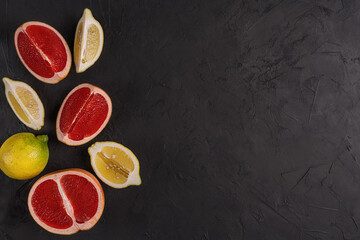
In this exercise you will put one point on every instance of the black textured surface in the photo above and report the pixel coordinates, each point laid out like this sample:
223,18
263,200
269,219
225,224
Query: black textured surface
244,116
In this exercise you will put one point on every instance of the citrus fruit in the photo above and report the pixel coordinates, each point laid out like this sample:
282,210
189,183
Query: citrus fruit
66,201
43,51
24,156
114,164
25,103
83,114
89,40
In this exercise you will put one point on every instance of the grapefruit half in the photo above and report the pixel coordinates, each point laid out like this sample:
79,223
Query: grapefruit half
66,201
83,114
43,51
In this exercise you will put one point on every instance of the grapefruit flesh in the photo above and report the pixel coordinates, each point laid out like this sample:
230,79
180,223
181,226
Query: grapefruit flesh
43,51
67,201
83,114
48,205
82,196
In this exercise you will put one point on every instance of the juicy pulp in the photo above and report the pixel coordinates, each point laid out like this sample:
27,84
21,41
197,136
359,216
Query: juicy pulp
92,43
42,50
114,164
18,109
83,114
29,102
49,207
82,196
48,202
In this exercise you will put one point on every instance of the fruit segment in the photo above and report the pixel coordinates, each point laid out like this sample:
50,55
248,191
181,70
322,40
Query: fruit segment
66,201
90,118
48,205
17,108
82,196
83,114
72,107
49,45
89,40
32,57
27,99
25,103
92,43
114,164
43,51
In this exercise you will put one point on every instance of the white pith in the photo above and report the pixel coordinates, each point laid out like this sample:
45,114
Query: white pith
67,206
57,75
10,86
87,19
134,177
64,138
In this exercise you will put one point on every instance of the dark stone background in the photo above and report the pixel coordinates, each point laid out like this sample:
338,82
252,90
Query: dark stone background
244,116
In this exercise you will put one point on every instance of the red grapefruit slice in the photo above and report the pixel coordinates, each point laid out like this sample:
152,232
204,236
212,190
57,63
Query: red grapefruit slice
83,115
66,201
43,51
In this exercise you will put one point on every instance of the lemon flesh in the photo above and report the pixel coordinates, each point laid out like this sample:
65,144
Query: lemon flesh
25,103
92,43
116,165
28,100
17,108
89,40
24,156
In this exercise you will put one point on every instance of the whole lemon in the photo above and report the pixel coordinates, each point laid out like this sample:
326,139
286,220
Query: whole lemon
24,156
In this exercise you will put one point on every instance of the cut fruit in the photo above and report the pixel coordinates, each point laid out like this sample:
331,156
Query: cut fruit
43,51
66,201
89,41
25,103
114,164
83,115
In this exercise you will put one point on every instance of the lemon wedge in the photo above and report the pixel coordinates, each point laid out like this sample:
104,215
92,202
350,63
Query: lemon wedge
89,40
114,164
25,103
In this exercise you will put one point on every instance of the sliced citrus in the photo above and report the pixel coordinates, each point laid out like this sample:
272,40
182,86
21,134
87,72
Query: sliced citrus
83,115
66,201
43,51
25,103
89,40
114,164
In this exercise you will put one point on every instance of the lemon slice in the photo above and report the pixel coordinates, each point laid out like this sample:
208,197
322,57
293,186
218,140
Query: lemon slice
25,103
114,164
89,40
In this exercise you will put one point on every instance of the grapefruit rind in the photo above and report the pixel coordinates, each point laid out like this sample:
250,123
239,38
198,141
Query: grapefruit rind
134,176
86,20
58,76
10,86
56,176
64,138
